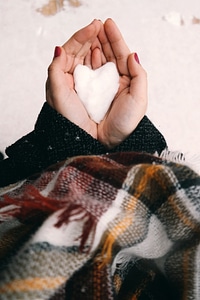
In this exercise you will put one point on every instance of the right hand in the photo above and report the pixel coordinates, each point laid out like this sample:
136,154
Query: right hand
60,93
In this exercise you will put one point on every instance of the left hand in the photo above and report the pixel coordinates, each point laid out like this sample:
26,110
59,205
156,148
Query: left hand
130,103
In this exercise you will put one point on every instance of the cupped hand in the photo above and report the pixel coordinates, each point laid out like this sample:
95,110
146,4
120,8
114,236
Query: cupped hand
94,45
60,93
130,103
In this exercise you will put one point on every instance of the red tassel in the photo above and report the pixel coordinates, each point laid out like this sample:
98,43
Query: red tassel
30,202
89,226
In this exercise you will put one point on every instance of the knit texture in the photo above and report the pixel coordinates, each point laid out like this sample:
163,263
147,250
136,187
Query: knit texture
118,226
55,138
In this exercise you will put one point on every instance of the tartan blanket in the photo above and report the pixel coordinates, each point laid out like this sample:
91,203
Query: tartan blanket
116,226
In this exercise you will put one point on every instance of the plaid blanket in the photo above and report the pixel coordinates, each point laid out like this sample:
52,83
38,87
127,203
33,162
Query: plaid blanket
116,226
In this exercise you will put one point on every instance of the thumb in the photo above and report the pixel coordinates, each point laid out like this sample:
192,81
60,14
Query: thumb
59,59
57,51
55,80
138,86
134,66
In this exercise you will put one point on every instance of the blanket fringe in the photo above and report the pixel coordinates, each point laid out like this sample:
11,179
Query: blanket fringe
32,201
75,212
188,159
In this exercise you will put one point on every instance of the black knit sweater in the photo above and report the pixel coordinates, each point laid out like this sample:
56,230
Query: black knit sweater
55,138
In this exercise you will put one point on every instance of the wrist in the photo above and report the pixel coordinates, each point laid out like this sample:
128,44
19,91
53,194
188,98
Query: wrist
90,127
109,141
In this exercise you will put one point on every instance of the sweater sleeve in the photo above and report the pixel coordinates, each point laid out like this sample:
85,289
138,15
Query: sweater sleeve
55,138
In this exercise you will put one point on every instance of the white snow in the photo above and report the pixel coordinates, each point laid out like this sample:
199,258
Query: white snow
96,88
165,34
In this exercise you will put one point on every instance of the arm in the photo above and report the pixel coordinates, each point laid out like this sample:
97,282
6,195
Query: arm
55,138
64,129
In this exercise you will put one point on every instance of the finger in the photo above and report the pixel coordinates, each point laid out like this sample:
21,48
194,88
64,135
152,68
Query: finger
118,45
59,60
96,58
88,60
56,79
82,36
79,44
96,43
138,85
106,46
100,52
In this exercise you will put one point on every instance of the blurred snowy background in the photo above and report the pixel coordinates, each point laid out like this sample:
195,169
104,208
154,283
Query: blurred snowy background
165,34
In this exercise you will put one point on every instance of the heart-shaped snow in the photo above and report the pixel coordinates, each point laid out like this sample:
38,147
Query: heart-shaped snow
96,88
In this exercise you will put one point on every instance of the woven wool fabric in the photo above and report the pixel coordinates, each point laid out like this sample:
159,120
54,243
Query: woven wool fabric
117,226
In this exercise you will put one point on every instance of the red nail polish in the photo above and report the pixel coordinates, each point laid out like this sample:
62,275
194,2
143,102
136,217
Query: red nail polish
137,58
57,51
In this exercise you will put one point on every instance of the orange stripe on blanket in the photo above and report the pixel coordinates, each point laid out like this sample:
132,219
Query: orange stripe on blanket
149,172
183,217
111,238
25,285
121,227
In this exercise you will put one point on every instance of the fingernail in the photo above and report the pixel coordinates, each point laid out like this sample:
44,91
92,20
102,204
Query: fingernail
136,58
57,51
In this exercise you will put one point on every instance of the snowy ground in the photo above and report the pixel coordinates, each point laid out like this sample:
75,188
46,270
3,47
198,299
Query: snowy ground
165,34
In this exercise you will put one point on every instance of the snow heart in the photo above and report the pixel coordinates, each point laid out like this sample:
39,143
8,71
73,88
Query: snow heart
96,88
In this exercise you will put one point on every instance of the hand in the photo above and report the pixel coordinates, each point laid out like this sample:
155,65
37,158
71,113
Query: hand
130,103
60,93
94,45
